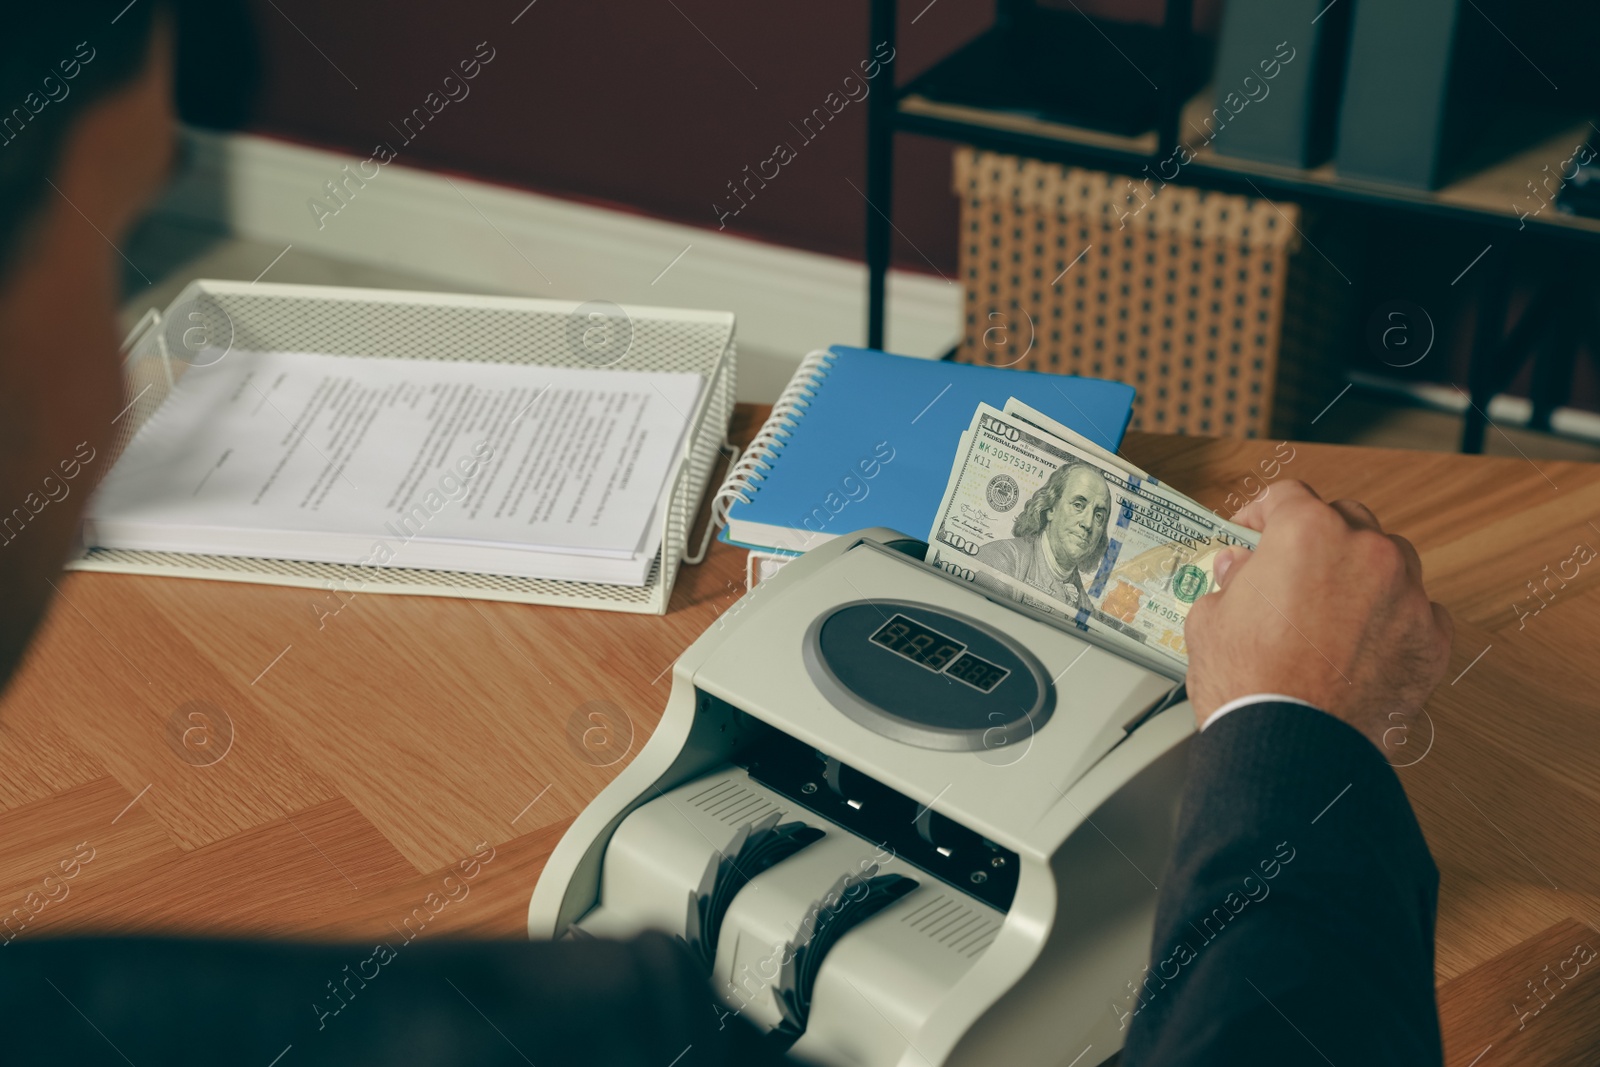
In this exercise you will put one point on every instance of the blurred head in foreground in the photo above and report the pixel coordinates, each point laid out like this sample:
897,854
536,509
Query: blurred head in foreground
86,139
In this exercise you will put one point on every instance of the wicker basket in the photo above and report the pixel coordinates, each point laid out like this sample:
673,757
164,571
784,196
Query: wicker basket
1202,301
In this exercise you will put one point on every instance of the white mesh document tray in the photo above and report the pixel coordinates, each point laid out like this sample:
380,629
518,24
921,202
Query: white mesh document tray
413,325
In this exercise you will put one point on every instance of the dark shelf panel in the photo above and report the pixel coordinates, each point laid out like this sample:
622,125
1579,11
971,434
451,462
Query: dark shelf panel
980,96
1486,197
1044,73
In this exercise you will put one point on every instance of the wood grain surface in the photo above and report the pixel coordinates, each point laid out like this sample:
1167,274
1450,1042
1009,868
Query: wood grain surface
234,760
1535,1005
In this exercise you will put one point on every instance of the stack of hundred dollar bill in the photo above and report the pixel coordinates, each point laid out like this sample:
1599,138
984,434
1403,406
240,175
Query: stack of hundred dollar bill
1039,513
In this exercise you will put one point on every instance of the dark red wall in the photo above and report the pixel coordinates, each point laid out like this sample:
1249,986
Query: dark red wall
653,105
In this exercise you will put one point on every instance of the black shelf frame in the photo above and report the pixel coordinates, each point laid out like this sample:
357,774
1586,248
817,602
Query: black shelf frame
1496,356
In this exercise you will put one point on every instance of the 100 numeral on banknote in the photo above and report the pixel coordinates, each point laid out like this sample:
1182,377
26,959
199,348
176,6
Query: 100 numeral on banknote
1055,526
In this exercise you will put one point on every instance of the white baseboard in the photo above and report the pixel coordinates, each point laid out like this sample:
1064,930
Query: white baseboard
507,241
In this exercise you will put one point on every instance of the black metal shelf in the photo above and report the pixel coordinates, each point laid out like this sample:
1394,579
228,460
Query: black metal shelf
1484,199
1469,200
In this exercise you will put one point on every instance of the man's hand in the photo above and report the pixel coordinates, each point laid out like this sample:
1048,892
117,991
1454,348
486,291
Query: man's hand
1328,609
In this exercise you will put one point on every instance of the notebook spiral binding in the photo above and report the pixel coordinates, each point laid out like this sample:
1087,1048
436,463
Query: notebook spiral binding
745,476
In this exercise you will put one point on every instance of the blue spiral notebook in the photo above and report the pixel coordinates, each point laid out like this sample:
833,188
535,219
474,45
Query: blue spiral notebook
865,438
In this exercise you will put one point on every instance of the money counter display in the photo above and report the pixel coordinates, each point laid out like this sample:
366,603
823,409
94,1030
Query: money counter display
880,808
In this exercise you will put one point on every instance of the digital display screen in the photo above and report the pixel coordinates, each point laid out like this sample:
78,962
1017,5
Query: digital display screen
976,672
917,643
927,647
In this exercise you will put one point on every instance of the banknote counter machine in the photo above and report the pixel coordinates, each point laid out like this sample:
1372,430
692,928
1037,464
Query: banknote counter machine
901,821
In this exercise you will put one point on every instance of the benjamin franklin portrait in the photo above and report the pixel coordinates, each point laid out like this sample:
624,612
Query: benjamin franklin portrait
1061,530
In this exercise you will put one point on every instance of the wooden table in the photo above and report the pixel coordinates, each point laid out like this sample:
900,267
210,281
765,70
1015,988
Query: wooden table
364,752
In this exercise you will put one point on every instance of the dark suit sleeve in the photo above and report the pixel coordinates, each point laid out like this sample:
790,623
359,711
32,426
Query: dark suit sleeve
115,1001
1295,922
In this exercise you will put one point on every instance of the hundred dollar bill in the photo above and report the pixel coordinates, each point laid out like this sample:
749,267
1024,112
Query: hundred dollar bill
1072,437
1073,530
1039,420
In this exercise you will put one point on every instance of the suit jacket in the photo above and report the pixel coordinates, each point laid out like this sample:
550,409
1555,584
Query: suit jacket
1295,922
85,1001
1295,926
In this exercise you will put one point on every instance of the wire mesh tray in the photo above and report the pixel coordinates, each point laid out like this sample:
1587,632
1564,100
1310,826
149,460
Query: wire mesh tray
414,325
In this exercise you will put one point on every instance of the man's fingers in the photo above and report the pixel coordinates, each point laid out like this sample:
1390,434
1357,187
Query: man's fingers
1195,621
1279,495
1442,619
1356,514
1408,552
1227,561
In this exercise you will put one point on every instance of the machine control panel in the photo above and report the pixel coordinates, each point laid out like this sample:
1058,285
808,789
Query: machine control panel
926,676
